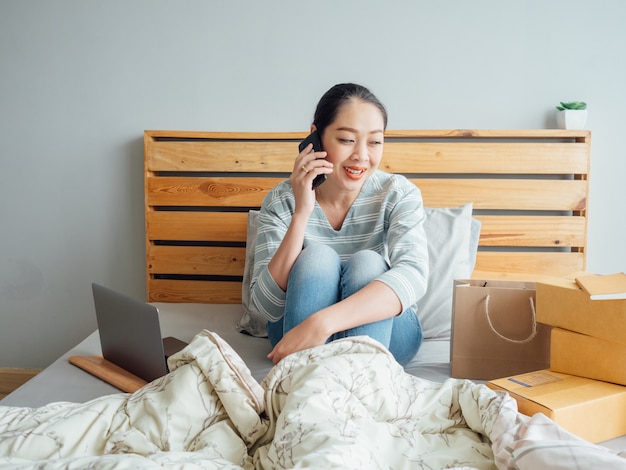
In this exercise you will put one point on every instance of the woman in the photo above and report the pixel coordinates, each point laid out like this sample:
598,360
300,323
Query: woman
349,258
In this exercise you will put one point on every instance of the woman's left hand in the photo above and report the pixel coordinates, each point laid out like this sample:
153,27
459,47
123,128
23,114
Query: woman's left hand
307,334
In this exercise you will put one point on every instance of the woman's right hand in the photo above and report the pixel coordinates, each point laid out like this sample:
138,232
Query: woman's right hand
307,166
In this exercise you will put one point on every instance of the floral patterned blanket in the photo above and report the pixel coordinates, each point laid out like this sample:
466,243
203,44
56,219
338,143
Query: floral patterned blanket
346,405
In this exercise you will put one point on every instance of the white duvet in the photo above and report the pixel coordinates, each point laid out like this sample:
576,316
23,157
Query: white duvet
344,405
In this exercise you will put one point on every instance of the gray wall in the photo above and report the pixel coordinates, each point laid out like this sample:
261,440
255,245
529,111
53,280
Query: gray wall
81,80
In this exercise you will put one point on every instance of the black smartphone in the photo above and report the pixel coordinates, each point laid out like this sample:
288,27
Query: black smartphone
314,138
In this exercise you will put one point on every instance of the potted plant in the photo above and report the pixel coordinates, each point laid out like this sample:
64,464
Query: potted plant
571,115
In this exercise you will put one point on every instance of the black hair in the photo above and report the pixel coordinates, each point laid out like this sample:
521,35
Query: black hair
336,97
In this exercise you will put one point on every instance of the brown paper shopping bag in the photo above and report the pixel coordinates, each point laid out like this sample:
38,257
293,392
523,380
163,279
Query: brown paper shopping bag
494,330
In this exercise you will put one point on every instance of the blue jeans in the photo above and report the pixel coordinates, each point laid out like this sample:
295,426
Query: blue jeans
319,279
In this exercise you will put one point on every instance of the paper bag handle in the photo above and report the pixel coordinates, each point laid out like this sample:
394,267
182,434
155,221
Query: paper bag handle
533,333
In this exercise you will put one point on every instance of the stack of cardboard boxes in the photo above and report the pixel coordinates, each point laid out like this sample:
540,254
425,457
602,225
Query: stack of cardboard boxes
585,388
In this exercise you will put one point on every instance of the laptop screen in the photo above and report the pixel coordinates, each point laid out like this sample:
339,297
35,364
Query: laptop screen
130,333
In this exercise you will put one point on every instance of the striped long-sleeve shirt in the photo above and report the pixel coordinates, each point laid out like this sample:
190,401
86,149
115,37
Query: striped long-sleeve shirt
386,217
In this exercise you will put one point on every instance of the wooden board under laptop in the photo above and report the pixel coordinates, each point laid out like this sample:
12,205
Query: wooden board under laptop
109,372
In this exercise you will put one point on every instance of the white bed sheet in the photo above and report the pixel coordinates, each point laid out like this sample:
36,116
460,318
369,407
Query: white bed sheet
62,381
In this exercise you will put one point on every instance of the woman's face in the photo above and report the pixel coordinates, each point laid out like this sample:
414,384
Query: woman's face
354,144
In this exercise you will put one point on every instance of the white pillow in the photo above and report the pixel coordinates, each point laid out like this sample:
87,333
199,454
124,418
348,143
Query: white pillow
452,236
474,239
450,256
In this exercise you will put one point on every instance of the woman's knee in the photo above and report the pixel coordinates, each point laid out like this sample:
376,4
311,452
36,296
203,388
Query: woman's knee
317,258
317,267
366,260
361,269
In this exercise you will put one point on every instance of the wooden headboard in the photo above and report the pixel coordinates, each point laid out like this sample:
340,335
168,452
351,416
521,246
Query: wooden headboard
529,189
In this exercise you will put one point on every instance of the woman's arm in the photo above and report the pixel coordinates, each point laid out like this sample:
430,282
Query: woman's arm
307,165
280,235
288,251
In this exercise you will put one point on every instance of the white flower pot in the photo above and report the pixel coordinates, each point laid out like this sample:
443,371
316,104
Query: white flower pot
571,118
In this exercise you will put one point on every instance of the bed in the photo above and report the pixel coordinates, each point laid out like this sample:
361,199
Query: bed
508,204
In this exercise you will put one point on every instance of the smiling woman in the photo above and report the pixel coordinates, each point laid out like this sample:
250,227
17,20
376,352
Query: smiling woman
354,145
349,258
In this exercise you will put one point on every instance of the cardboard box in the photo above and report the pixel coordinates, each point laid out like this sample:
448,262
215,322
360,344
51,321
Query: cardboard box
591,409
587,356
603,286
560,302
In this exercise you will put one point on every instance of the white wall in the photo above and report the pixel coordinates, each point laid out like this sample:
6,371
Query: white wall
82,79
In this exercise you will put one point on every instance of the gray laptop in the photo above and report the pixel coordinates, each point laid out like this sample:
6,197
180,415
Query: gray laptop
130,334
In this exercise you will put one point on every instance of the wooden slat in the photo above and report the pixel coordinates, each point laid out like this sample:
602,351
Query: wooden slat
448,134
514,194
196,260
197,226
218,156
554,264
192,260
511,194
153,135
206,191
532,231
510,230
212,292
530,134
399,157
549,264
485,158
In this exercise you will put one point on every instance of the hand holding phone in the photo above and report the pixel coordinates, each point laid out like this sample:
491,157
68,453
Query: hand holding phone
314,138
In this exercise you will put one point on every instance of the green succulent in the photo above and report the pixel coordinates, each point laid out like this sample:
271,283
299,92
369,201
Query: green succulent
572,105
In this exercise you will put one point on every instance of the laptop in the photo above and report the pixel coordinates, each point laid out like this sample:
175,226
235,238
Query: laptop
130,334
